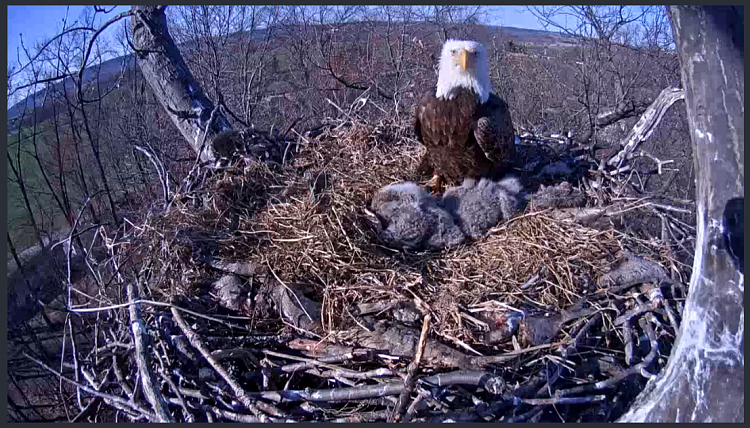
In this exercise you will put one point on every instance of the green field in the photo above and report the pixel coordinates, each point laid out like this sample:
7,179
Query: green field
19,225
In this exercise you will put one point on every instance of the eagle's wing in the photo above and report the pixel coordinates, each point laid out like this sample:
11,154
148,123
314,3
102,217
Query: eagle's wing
494,131
417,123
425,166
418,118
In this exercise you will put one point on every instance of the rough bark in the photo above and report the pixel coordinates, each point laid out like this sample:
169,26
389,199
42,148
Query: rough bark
172,82
704,380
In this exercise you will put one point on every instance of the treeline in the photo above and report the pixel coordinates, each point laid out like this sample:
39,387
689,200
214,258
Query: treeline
285,68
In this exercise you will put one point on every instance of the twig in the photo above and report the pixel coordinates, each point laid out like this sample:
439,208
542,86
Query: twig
491,383
309,363
509,356
237,417
623,287
363,417
672,319
87,411
115,399
142,359
121,378
562,400
413,407
189,417
69,283
74,354
301,306
638,310
581,334
411,372
239,392
160,171
627,332
525,416
636,369
62,366
659,163
91,407
333,395
169,305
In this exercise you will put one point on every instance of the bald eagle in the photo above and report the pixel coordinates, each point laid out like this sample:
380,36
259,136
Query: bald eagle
467,130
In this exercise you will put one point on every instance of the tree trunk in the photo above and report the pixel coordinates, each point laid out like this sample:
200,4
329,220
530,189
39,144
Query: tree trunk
172,82
704,380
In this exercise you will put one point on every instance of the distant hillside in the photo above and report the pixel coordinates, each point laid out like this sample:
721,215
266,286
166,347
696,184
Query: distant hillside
107,73
110,70
534,37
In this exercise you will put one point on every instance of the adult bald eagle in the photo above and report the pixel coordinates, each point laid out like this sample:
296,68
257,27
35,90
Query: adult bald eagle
466,129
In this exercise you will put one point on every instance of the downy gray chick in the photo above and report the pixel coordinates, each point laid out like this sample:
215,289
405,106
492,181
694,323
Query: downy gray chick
411,218
561,195
479,205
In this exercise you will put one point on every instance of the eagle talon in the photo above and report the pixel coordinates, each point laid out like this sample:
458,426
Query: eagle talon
435,184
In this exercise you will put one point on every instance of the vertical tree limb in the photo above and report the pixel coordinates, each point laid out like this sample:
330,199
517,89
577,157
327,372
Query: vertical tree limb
704,380
173,84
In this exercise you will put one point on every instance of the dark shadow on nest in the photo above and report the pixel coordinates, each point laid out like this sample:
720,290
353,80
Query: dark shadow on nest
248,173
546,164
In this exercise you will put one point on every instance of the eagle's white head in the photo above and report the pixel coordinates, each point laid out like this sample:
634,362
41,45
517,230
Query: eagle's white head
463,63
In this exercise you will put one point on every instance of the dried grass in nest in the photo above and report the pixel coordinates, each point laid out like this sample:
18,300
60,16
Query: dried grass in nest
322,237
495,267
305,221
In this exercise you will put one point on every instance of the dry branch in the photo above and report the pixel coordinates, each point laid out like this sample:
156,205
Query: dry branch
113,398
239,392
411,372
646,124
142,357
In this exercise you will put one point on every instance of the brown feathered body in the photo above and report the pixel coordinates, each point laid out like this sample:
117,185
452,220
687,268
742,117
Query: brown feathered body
464,138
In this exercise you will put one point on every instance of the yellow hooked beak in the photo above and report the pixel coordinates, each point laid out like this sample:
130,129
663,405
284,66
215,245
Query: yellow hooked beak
463,59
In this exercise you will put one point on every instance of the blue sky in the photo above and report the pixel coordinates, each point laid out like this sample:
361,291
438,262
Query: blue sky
513,16
40,22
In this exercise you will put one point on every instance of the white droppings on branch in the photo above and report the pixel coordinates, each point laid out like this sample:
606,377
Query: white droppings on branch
136,327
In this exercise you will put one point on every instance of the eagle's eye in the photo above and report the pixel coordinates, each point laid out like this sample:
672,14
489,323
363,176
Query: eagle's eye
453,51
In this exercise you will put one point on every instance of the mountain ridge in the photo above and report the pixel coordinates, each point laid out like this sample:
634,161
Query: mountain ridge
109,69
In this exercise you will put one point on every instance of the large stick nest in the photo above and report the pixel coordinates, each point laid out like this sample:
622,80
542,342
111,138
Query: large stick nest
283,258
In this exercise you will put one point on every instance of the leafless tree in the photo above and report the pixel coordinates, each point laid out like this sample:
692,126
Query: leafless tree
616,49
213,68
